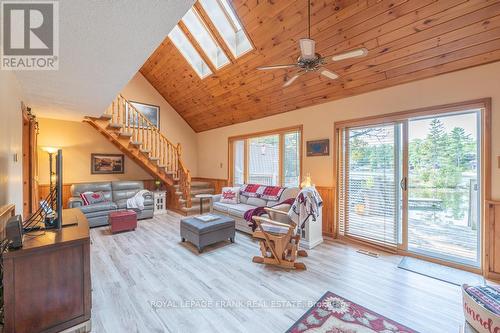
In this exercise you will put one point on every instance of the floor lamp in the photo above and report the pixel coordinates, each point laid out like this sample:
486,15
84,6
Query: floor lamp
51,151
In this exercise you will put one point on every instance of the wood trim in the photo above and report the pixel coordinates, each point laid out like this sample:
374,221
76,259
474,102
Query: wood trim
420,112
484,104
217,36
217,183
197,46
267,132
328,195
280,132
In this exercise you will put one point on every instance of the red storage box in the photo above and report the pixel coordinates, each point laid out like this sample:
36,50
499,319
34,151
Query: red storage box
123,221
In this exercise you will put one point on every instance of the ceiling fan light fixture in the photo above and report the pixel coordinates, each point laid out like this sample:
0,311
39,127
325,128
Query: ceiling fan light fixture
350,54
307,48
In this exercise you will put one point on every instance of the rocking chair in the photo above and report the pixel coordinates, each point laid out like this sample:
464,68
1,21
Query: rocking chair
278,241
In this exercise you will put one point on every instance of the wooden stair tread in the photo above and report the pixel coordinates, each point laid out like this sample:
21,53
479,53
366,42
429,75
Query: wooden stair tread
115,125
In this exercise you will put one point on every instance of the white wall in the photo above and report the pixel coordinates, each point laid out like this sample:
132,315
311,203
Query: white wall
171,123
78,141
11,172
318,121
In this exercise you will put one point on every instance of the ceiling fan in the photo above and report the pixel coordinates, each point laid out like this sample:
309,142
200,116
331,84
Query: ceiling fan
310,61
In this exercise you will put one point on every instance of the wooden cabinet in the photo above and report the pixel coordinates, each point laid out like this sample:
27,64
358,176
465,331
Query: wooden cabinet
160,202
492,237
47,281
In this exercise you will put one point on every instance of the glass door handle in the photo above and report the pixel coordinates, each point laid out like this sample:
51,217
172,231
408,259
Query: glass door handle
404,183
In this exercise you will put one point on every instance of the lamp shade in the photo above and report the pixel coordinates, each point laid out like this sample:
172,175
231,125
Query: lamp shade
50,150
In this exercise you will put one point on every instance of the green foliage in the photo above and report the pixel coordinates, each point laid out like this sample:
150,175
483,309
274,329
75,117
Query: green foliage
437,161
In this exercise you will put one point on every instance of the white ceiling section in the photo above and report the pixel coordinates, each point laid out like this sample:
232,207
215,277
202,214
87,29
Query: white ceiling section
102,44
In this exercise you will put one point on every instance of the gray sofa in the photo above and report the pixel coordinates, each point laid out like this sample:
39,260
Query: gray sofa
237,211
116,193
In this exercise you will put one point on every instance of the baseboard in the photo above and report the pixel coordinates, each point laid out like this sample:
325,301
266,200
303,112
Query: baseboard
308,246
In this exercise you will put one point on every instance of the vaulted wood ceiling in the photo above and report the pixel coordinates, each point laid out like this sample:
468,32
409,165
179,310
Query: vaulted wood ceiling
407,40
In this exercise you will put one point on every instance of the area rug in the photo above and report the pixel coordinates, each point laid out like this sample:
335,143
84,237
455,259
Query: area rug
441,272
335,314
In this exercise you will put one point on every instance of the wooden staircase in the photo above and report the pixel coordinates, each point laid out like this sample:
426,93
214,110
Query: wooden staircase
197,187
129,130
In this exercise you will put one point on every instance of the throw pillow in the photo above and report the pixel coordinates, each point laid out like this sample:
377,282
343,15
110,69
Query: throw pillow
230,195
90,198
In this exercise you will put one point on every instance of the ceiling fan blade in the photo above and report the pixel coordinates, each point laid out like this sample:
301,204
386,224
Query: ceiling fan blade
307,48
263,68
328,73
356,53
291,80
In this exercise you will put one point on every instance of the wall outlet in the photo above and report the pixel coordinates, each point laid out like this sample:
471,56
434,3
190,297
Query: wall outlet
220,164
15,157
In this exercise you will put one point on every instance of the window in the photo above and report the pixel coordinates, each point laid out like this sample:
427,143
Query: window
189,52
228,25
239,162
204,38
291,165
269,159
263,160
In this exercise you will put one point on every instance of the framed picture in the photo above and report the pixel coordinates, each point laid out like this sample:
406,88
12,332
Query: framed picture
152,113
107,163
318,147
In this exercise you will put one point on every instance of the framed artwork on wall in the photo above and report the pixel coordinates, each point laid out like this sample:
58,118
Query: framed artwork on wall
151,112
103,164
318,147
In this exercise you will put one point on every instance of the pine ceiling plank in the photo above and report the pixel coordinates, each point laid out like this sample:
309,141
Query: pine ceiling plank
407,40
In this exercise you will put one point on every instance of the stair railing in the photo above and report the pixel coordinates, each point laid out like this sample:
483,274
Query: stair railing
184,180
150,140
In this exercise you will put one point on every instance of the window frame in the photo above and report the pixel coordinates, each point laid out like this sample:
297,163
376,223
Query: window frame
230,17
484,105
211,36
184,55
281,132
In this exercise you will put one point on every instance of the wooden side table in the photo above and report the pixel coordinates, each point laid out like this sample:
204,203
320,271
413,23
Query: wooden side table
160,202
202,197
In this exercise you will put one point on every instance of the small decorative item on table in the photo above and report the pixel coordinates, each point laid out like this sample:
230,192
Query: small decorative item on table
202,197
124,220
160,202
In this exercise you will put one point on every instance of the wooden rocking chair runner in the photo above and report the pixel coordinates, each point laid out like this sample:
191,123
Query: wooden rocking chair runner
278,241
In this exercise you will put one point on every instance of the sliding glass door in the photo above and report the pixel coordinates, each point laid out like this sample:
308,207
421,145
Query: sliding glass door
414,184
371,171
443,186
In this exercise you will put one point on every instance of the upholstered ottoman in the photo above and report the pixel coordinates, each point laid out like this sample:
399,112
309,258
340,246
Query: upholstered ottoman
201,233
482,307
122,220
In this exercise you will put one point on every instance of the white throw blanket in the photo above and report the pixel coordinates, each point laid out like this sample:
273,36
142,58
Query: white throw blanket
307,204
137,201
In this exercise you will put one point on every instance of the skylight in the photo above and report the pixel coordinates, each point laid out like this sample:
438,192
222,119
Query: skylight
228,25
205,39
187,49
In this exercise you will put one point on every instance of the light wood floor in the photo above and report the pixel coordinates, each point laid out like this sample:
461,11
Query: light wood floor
131,270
